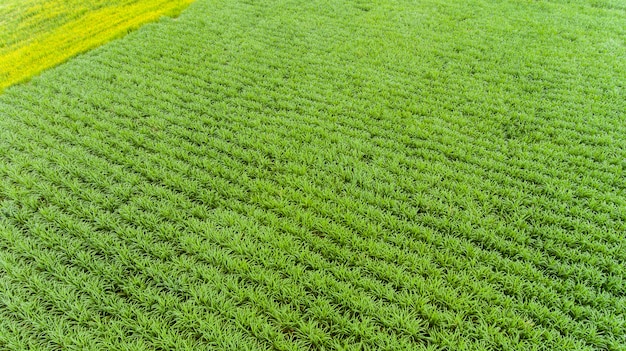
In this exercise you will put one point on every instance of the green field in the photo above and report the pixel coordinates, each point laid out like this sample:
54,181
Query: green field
324,175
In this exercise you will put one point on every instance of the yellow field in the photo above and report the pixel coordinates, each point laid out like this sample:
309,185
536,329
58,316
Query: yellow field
38,34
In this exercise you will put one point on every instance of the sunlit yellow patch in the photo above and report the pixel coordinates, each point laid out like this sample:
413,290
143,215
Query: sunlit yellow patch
38,34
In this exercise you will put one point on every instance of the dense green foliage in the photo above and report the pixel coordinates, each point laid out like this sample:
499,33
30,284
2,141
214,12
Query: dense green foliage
296,175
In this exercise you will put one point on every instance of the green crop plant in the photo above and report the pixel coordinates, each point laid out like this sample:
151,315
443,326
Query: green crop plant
323,175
